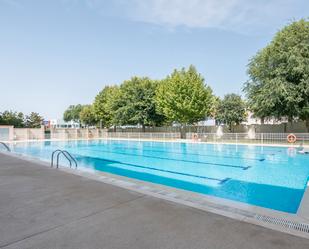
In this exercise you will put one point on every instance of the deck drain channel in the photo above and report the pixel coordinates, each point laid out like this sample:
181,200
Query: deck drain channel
284,223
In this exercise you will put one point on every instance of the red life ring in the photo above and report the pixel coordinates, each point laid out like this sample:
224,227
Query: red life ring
291,138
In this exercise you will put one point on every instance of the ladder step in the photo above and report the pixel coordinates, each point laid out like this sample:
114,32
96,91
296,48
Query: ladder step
66,154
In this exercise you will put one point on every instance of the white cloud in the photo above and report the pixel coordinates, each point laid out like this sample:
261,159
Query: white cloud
244,16
226,14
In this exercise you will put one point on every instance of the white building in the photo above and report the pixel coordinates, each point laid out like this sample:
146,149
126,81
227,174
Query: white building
60,123
252,120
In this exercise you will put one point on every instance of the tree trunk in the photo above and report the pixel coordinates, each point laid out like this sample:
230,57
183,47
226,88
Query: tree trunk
284,127
262,120
183,131
230,127
290,121
115,128
143,128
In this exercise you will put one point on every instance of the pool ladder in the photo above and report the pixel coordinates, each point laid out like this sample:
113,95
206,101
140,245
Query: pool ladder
6,146
66,154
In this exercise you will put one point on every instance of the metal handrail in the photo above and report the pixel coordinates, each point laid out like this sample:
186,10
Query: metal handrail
6,146
66,154
69,155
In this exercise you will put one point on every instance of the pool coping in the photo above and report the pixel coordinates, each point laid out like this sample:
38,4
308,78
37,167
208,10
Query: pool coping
232,209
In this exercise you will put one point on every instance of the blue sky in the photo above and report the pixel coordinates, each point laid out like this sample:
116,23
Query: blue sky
61,52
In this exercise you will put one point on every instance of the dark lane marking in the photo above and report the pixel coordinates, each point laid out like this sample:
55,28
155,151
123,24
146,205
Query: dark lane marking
221,181
225,180
181,153
179,160
197,154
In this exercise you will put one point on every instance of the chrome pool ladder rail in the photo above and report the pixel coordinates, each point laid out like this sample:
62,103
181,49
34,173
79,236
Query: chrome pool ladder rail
6,146
66,154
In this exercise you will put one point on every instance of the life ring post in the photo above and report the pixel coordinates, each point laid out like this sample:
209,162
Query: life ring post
195,136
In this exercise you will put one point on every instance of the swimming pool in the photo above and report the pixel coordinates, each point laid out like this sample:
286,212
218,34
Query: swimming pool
270,177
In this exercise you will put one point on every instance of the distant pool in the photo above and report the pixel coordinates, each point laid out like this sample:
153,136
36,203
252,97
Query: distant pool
270,177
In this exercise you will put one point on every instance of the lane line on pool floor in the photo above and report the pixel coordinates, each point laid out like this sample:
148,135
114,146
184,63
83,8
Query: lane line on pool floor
181,153
221,181
180,160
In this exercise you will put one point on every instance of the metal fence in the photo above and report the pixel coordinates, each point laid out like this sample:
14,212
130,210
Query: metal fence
257,138
71,133
144,135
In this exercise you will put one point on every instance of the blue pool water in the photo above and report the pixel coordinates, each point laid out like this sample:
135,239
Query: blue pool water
270,177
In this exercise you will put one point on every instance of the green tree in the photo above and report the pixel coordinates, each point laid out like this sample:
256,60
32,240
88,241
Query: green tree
136,103
73,113
87,115
12,118
231,110
34,120
105,106
184,98
279,75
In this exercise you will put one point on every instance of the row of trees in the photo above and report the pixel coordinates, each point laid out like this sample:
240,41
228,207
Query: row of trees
182,97
278,88
19,120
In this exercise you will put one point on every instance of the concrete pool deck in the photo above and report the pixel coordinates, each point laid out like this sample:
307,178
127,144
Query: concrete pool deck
42,207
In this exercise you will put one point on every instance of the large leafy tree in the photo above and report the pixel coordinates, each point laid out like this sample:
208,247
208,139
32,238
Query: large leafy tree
73,113
136,103
279,75
105,105
184,98
34,120
12,118
231,110
87,115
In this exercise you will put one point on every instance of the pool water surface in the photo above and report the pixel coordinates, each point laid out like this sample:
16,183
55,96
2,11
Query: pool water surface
269,177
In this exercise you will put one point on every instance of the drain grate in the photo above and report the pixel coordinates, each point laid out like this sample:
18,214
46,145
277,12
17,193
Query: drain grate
284,223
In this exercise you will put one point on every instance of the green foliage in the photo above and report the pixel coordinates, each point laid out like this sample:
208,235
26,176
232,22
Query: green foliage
215,106
72,113
279,75
136,103
105,105
12,118
34,120
231,110
18,120
184,98
87,115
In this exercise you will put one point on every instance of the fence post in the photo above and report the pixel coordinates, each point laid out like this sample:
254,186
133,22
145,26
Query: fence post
11,133
27,133
262,137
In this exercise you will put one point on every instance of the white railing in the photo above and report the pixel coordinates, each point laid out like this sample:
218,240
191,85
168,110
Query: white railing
144,135
255,138
260,138
64,134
